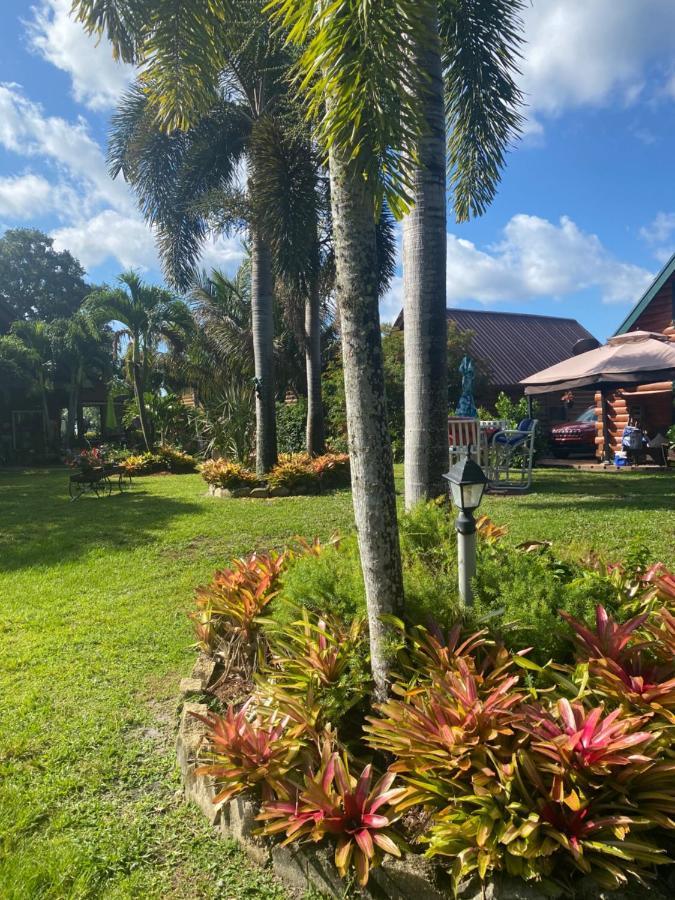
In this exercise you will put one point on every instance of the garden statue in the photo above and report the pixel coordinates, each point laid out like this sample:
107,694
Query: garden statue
466,405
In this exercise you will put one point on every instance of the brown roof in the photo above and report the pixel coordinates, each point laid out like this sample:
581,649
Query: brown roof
516,345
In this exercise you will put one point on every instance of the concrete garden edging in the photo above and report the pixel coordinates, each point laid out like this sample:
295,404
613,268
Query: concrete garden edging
301,867
259,492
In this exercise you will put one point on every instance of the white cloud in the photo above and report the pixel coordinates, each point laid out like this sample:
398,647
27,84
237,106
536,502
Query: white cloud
535,260
582,53
97,80
109,236
22,196
660,235
27,131
222,253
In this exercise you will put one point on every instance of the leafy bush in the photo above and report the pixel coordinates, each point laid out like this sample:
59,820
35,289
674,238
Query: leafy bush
245,752
225,474
295,473
536,790
331,581
319,658
292,426
164,459
332,469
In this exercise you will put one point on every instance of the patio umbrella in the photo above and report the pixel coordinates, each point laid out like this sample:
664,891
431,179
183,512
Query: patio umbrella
637,357
110,416
466,405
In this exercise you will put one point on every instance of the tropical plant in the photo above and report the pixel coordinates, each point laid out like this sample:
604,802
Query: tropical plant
35,338
225,474
333,803
239,112
468,45
246,753
295,473
231,605
149,315
321,658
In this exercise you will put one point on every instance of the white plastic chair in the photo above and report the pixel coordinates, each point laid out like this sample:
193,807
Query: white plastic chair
465,436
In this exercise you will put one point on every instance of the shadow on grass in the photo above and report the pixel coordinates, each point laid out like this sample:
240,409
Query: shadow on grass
603,490
39,526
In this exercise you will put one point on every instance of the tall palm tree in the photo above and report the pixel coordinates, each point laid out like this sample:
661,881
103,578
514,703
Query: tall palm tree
470,56
36,339
225,114
149,315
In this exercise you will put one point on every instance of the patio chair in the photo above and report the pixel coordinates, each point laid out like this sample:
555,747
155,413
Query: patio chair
510,457
465,437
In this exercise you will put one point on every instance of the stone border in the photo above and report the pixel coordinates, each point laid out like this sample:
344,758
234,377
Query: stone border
301,867
260,491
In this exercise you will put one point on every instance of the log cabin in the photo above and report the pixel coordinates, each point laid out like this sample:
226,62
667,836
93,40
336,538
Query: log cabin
649,405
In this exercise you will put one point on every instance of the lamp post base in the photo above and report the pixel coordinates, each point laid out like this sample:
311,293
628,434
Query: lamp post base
466,555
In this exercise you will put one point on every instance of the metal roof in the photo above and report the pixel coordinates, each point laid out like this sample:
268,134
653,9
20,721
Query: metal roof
516,345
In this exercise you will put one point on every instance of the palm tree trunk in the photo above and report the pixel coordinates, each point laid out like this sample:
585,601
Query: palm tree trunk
139,390
46,425
73,398
372,472
424,316
262,315
315,427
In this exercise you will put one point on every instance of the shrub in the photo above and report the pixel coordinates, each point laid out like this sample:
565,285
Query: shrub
332,469
322,658
225,474
331,581
295,473
164,459
292,426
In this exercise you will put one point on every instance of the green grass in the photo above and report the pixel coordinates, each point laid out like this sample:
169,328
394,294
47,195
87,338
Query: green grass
94,639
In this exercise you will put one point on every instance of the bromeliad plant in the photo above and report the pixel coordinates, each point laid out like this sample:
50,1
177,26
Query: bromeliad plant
631,664
322,658
333,803
247,753
228,618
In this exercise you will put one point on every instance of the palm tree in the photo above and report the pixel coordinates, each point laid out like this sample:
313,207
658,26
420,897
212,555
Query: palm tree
35,338
182,159
149,315
470,56
82,354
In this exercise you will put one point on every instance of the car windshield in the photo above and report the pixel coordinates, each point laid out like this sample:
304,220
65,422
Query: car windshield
588,415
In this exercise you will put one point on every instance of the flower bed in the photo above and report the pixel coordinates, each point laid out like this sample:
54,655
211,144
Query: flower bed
296,474
484,764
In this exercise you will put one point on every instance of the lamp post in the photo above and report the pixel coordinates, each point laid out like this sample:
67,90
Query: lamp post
467,483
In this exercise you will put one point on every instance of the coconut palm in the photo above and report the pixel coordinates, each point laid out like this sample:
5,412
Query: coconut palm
469,56
150,315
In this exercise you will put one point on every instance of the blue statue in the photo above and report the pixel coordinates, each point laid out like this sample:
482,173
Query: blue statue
466,405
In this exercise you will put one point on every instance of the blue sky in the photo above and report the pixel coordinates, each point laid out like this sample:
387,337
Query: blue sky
584,217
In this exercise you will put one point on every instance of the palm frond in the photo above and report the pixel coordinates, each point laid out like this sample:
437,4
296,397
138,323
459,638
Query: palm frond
482,41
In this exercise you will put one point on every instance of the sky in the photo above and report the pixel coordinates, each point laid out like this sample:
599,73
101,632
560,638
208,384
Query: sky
584,217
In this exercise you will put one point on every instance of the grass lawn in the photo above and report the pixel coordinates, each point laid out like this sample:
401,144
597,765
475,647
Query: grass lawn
94,639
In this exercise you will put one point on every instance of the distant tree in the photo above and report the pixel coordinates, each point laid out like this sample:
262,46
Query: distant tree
36,281
39,357
149,315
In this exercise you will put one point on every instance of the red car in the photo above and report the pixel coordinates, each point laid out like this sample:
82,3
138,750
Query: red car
575,437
